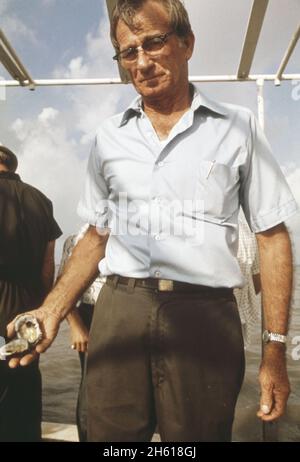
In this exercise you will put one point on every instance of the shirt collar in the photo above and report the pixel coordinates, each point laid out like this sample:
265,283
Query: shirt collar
9,176
134,109
199,101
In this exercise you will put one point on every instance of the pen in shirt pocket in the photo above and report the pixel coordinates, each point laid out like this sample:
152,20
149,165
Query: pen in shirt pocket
211,167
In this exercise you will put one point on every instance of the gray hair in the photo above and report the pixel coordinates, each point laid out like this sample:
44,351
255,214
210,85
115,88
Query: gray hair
8,158
125,10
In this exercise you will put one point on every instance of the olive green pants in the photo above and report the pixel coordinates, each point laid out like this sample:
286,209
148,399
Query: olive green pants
171,359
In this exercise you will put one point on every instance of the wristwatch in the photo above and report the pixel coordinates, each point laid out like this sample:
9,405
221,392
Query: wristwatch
268,336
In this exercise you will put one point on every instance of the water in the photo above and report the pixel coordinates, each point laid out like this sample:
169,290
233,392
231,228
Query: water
61,377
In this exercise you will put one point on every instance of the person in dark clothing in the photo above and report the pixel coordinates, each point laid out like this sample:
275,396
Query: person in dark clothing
27,238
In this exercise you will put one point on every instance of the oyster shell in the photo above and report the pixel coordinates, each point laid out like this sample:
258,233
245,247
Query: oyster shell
18,345
27,328
28,335
2,343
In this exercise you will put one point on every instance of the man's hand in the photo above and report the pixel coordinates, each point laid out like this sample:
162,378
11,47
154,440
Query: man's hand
274,382
49,324
81,269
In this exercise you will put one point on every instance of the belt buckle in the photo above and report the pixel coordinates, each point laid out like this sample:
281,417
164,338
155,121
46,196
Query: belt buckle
165,285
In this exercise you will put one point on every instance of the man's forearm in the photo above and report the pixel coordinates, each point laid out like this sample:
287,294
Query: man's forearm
80,270
276,271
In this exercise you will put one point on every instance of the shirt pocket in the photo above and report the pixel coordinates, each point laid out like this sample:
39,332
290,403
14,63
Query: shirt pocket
217,187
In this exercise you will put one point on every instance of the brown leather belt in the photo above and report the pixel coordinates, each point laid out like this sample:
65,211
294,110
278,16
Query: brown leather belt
166,285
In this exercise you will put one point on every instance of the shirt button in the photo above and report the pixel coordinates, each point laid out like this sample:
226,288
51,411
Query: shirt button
161,164
157,274
157,200
157,237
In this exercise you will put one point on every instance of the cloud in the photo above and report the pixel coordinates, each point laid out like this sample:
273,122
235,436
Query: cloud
92,104
48,115
20,128
15,29
76,69
96,60
49,159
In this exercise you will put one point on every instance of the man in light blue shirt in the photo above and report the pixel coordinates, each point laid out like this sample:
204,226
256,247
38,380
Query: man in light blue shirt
165,182
226,162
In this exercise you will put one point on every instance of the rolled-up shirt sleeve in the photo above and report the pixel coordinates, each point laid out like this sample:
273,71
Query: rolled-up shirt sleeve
265,195
93,204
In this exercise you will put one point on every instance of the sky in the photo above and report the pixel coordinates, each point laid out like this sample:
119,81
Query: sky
52,128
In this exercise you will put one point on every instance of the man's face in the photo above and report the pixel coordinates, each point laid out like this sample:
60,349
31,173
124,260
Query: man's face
165,73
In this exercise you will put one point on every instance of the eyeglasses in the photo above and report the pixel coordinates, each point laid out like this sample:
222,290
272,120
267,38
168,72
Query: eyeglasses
151,46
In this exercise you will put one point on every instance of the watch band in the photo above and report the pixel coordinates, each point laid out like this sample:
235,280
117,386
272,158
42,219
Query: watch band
273,337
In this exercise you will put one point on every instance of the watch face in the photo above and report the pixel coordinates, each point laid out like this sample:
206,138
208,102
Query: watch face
266,336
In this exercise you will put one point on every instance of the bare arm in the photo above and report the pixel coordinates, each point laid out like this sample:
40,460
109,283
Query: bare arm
48,267
78,331
276,282
80,270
